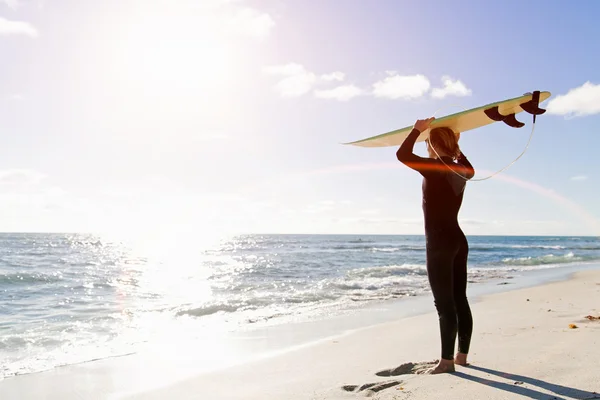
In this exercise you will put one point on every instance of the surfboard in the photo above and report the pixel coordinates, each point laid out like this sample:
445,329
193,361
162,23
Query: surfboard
500,111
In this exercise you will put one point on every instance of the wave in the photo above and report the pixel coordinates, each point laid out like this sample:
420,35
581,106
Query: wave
385,249
208,310
536,246
420,248
369,283
502,247
27,279
379,248
473,246
479,247
388,271
548,259
347,247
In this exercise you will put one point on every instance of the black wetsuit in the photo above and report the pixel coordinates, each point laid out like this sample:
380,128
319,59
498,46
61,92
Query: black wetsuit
446,245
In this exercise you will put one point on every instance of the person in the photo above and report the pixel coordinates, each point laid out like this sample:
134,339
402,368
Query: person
445,174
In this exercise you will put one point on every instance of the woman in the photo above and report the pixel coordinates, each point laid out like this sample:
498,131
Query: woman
444,178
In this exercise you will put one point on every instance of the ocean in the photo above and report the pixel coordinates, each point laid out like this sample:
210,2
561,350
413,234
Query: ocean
72,298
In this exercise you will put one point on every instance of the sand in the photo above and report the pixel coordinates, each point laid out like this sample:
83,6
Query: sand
523,347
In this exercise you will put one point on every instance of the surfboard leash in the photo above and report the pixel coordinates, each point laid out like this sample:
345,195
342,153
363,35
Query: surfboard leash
497,172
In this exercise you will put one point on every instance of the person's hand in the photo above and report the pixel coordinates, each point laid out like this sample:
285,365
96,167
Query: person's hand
423,124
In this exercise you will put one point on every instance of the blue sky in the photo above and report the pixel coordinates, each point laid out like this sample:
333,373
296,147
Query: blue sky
227,115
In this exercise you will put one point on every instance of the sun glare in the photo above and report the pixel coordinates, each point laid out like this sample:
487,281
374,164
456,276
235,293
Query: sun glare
172,54
200,64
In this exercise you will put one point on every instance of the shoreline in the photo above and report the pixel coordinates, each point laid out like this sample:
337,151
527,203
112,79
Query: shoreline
129,374
357,363
281,337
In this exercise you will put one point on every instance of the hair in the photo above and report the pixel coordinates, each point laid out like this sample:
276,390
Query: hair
443,139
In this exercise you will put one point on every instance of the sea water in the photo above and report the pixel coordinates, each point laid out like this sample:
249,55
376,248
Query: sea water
71,298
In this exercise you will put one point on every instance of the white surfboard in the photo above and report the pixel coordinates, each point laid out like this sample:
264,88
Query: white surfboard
501,111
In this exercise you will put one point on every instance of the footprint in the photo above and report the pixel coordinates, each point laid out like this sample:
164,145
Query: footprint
371,387
408,368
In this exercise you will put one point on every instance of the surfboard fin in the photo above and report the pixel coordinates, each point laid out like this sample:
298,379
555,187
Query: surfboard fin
494,114
533,106
509,119
512,121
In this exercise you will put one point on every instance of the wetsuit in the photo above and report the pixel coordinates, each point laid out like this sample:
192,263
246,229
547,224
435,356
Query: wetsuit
446,245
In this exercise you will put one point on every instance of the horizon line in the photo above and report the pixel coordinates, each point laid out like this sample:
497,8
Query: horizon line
301,234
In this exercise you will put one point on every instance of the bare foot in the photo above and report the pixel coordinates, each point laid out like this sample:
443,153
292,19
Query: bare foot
461,359
443,366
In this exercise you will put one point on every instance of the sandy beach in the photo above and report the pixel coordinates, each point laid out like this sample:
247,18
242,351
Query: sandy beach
532,343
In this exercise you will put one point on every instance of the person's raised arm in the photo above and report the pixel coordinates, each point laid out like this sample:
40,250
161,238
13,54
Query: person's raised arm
405,153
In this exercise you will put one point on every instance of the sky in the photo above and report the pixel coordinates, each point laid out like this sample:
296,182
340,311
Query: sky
229,116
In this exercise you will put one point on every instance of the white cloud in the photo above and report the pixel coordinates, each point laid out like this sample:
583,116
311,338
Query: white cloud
451,87
16,28
251,22
10,3
229,16
578,102
298,81
334,76
579,178
401,87
341,93
20,177
296,85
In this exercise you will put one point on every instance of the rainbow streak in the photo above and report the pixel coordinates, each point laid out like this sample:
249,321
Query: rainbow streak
572,206
575,208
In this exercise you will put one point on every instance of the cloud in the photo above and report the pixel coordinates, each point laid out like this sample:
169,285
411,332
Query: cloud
228,16
401,87
334,76
16,28
251,22
578,102
298,81
579,178
21,177
11,3
341,93
451,88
